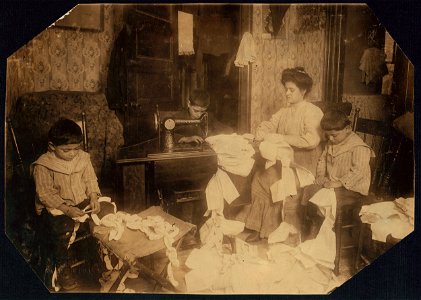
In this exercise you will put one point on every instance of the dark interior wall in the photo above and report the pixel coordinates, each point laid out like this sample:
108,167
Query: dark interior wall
222,75
218,40
359,21
403,87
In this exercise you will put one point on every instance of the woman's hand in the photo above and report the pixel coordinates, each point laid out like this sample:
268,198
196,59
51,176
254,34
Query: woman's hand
332,184
191,139
274,138
248,136
320,180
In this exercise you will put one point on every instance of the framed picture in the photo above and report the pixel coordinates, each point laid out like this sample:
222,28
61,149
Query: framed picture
84,17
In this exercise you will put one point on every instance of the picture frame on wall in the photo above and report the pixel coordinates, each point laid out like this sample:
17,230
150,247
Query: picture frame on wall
89,17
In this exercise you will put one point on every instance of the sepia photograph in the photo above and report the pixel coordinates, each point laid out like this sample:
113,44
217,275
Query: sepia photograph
208,148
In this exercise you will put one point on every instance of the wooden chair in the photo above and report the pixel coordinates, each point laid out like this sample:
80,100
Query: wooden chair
377,135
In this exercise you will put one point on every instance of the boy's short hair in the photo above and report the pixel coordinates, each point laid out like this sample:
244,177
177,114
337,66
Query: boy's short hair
334,120
65,132
200,98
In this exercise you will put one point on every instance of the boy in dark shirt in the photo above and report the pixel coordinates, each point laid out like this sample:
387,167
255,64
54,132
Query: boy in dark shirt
197,106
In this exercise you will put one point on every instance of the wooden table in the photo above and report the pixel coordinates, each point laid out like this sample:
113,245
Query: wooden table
134,244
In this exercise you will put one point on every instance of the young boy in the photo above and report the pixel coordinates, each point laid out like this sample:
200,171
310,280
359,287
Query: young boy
65,184
344,164
197,106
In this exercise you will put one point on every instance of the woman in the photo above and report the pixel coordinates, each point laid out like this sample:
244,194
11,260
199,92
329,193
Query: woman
297,124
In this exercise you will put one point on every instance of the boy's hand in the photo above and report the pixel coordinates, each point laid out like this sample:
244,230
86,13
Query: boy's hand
191,139
332,184
73,212
321,180
94,203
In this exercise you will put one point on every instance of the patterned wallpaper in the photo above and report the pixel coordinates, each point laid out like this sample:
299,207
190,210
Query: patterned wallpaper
61,59
296,47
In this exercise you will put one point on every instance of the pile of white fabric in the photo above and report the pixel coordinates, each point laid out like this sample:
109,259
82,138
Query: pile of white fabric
389,217
234,155
284,269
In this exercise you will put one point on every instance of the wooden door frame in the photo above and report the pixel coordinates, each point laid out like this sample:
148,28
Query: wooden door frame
245,75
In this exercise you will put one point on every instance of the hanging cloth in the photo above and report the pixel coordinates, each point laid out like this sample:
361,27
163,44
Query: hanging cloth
372,65
246,51
185,34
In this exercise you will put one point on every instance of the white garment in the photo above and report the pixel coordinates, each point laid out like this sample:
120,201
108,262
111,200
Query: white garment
231,227
393,226
371,64
185,33
246,51
305,177
281,233
273,148
234,153
220,187
323,248
389,217
205,264
284,187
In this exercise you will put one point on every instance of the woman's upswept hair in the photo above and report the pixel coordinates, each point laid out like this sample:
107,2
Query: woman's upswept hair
298,76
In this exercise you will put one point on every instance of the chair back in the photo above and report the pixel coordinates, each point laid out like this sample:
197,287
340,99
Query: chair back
380,136
345,107
29,147
83,127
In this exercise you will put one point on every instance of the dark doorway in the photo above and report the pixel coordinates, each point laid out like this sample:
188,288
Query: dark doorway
218,42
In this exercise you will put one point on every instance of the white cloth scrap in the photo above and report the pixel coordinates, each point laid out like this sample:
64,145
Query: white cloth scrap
246,51
57,212
281,233
205,264
393,226
220,187
284,187
231,227
389,217
273,148
322,249
406,206
305,177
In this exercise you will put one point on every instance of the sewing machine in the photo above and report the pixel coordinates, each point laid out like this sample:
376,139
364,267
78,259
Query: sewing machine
166,125
163,164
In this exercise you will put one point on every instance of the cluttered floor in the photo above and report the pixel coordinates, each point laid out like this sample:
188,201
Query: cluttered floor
236,267
144,284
